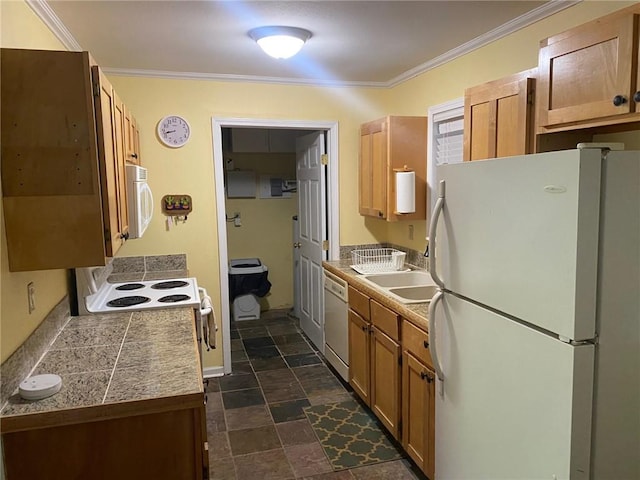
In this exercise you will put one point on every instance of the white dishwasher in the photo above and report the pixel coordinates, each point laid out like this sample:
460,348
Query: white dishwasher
336,331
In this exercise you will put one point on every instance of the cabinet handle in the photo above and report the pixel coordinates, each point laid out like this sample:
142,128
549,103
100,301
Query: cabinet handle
364,328
426,344
636,97
134,155
425,375
619,100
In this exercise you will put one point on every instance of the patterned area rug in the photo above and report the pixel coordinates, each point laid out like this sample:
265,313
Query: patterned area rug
349,435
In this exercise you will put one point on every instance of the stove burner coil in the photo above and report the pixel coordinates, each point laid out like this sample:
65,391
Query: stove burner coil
128,301
174,298
130,286
169,284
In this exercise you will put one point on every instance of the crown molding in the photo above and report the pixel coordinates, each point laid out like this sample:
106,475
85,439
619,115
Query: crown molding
540,13
46,14
127,72
51,20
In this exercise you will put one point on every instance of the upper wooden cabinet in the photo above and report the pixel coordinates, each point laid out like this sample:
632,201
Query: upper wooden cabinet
63,181
385,144
109,122
589,75
498,117
131,138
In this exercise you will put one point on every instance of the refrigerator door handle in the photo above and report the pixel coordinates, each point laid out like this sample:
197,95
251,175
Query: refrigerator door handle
432,333
432,234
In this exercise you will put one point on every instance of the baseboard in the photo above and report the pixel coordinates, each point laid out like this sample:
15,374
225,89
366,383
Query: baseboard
210,372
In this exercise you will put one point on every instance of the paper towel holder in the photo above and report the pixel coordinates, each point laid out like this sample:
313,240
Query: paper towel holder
405,190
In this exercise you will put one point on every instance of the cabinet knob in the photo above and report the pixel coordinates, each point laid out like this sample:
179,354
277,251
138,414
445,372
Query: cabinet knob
426,344
134,155
619,100
423,375
364,328
125,236
636,97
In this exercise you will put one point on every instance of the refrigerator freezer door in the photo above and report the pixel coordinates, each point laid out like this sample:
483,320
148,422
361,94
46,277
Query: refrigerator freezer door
616,442
516,403
520,234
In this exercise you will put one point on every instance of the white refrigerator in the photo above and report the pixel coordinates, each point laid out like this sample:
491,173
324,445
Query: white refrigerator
535,334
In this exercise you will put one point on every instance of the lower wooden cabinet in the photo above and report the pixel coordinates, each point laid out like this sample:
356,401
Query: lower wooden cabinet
128,441
390,369
418,413
385,380
359,348
374,361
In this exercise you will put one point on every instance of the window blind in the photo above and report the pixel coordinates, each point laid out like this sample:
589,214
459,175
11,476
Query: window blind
448,138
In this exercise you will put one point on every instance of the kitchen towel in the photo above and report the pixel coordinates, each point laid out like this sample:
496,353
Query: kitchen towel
209,325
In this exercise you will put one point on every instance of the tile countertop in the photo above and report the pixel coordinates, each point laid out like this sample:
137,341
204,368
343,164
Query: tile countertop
416,313
112,360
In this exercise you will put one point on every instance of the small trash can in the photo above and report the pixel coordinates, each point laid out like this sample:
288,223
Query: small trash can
247,283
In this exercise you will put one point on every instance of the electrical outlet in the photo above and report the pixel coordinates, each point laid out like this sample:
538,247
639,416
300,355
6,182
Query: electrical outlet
31,296
410,232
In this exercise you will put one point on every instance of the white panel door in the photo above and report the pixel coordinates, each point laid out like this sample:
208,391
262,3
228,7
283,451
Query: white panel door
311,218
520,234
515,403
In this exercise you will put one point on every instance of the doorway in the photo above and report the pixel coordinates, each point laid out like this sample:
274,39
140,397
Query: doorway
329,212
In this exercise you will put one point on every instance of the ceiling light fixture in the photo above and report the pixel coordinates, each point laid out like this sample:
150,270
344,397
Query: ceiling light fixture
280,42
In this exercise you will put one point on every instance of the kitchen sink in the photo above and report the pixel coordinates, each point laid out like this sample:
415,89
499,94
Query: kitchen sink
414,286
400,279
422,293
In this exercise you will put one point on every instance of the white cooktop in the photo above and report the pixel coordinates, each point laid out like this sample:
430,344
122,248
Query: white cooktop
128,296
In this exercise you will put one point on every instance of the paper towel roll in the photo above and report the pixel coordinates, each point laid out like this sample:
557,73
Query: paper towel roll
405,192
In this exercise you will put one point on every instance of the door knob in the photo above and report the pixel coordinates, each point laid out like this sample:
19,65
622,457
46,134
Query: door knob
619,100
297,245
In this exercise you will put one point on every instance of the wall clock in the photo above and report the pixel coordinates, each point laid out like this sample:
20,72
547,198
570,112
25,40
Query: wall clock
174,131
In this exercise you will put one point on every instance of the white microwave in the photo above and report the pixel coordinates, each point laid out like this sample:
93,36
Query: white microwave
139,200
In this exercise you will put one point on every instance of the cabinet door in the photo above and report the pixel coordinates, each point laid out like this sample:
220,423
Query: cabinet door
107,153
418,413
406,147
385,380
373,169
119,138
583,70
131,138
498,118
250,140
359,374
282,140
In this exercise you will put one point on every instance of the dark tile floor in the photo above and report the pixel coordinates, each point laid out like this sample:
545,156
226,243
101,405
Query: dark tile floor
256,425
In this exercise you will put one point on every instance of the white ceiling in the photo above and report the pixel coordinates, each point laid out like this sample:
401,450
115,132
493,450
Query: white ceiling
375,43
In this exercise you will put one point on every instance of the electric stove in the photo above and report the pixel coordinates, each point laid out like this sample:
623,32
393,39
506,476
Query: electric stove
96,295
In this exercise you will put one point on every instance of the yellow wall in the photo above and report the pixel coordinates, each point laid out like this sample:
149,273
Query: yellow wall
266,230
20,28
512,54
190,169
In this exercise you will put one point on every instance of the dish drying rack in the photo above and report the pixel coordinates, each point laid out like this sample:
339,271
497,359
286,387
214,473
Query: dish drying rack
377,260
